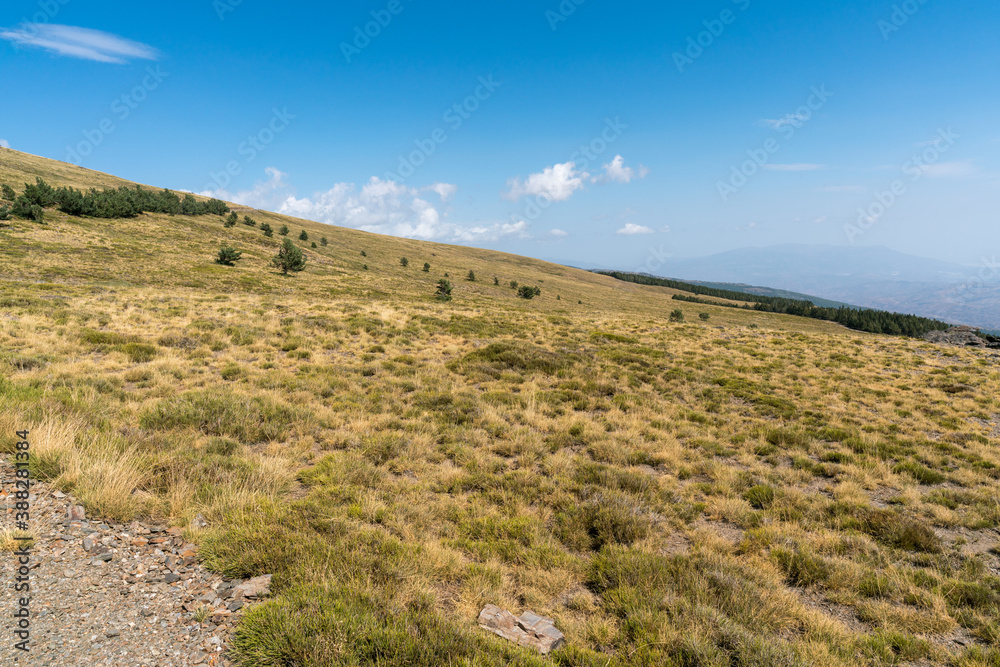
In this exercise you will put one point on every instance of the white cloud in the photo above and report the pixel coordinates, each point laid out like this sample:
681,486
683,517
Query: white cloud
793,119
616,171
4,143
559,233
794,167
75,42
631,229
948,169
264,194
380,206
557,183
445,190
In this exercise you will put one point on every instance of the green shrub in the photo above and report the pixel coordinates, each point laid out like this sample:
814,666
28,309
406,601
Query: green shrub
228,256
497,358
323,242
267,229
922,474
139,353
471,277
513,284
284,230
526,292
248,221
443,292
677,315
4,213
222,447
427,267
705,317
289,258
803,567
303,235
232,219
8,193
760,497
24,208
222,413
403,262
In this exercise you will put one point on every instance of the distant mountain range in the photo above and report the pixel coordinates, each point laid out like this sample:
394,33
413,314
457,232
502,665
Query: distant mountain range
870,277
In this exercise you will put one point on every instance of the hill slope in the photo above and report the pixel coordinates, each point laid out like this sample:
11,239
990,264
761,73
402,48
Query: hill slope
752,489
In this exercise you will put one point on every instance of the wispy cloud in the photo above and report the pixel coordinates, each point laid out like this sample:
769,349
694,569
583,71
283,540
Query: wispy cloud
793,119
559,233
4,143
842,188
794,167
631,229
948,169
83,43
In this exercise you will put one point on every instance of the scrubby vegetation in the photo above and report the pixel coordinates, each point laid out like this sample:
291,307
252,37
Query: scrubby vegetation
759,490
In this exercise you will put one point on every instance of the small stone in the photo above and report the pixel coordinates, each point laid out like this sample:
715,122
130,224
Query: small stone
170,578
199,521
102,558
88,544
76,513
112,633
258,587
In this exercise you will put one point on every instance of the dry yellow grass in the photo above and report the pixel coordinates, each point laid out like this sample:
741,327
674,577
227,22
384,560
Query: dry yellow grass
754,489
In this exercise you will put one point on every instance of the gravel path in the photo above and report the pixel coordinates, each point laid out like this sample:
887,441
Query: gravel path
111,594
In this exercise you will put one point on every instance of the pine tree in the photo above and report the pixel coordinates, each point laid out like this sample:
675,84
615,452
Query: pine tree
189,205
513,284
232,219
313,244
248,221
526,292
323,241
364,254
24,208
471,277
266,228
427,267
228,256
8,193
303,236
443,292
4,213
289,258
496,281
677,315
403,262
284,230
41,193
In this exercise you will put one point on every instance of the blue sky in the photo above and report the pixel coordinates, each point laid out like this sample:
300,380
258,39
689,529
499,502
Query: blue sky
710,125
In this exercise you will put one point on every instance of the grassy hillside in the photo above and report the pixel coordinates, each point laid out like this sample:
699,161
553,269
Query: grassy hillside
750,489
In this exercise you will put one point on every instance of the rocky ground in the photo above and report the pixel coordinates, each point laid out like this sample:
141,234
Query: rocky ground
105,593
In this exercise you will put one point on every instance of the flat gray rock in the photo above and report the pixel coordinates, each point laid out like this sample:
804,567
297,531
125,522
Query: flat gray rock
529,630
